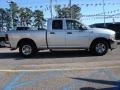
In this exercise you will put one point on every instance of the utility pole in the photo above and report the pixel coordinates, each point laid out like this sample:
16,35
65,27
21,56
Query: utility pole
104,12
113,20
51,8
70,8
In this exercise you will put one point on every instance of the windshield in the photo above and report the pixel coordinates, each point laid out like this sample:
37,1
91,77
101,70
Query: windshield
85,27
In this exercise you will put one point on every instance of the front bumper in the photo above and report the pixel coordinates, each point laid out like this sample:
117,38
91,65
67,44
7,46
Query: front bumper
113,44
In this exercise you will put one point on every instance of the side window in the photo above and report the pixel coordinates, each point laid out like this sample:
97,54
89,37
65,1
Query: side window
57,24
72,25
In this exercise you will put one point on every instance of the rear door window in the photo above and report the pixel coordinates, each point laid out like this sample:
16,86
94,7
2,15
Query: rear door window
57,25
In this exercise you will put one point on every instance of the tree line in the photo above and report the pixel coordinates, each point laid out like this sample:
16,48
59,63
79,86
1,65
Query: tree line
23,16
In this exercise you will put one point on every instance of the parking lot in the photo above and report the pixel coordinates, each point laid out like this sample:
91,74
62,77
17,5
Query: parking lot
75,70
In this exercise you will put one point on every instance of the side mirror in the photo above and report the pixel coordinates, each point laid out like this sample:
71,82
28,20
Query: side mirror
82,28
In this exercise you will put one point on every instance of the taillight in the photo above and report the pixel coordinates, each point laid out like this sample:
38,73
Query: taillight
6,37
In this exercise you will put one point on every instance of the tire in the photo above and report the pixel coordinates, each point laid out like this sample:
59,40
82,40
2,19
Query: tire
99,47
27,49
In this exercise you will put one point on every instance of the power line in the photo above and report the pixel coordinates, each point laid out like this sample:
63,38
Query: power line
101,14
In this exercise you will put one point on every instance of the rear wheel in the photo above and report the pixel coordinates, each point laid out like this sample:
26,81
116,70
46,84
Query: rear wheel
99,47
27,49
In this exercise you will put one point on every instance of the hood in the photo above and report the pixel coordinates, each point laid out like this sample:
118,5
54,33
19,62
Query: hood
103,30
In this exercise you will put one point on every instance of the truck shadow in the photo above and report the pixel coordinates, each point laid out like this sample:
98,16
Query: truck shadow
115,85
63,54
45,55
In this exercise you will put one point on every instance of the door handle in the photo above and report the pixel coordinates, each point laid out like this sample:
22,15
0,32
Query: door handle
69,32
52,32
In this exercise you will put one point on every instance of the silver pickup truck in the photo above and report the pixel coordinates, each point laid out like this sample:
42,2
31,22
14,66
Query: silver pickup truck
62,34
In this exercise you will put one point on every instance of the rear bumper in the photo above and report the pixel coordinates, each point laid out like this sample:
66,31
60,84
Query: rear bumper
113,44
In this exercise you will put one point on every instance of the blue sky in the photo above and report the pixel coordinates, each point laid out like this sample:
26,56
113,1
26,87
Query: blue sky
88,7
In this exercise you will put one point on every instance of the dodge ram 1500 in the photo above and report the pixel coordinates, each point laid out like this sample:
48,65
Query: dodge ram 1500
62,33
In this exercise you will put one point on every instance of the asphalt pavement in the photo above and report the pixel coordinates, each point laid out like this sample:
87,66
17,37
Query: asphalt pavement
70,70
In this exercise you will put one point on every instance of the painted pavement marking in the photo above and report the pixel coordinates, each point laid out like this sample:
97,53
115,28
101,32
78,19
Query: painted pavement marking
14,84
60,69
52,74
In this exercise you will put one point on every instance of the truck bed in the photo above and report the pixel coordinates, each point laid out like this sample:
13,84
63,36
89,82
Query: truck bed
38,36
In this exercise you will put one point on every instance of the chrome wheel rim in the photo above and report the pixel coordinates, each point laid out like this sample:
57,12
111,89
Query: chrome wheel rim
100,48
26,50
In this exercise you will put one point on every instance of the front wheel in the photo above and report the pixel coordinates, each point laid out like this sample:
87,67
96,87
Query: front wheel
100,47
27,49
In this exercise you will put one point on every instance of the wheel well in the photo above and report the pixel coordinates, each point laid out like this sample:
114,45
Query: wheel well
24,40
2,39
98,39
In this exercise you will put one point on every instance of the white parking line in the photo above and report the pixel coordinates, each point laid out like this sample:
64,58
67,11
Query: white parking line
60,69
77,64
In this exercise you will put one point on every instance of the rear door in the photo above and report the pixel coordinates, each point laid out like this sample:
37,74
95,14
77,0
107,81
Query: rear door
56,36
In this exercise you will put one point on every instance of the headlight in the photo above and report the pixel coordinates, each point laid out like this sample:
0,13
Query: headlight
112,37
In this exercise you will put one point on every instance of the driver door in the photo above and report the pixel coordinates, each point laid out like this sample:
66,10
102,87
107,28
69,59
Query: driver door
76,37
